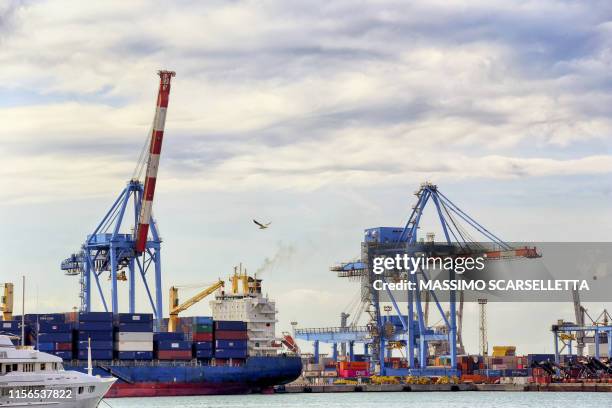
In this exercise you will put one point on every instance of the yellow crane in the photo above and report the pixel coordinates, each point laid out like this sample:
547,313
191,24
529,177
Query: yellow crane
6,302
175,308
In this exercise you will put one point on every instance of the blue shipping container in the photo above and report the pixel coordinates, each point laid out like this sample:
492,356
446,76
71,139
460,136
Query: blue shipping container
95,326
46,327
96,345
134,317
49,317
95,316
230,344
204,354
54,337
10,325
173,345
96,354
531,358
232,353
145,327
517,372
95,335
203,345
45,346
230,325
168,336
135,355
206,320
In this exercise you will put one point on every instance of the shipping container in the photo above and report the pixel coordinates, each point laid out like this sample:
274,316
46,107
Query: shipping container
95,345
95,354
231,335
94,335
200,328
95,317
203,336
133,336
174,354
46,327
353,373
172,345
233,325
161,336
135,355
134,327
230,344
54,337
134,317
10,325
203,345
95,325
133,345
63,346
45,346
49,317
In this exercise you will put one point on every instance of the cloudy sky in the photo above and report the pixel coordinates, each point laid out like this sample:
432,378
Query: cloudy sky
322,117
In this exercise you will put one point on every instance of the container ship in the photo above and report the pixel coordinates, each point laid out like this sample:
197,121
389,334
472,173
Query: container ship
234,351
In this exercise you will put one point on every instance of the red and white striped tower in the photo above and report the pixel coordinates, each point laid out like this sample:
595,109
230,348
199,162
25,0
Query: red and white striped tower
153,161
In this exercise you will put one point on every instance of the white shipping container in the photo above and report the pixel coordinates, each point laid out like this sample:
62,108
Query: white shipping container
134,346
134,336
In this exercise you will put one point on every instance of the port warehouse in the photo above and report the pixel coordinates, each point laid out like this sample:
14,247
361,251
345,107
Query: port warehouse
130,336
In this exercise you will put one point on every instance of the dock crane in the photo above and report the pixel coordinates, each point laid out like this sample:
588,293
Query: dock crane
175,308
6,302
134,249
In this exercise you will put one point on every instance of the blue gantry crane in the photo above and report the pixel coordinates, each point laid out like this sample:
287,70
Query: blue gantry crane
404,324
119,243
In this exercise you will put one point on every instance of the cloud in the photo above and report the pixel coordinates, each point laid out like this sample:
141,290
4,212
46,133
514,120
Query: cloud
271,95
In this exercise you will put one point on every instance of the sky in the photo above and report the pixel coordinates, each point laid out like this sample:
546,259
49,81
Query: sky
322,117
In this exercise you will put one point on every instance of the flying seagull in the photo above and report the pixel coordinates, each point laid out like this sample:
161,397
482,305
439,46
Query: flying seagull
262,226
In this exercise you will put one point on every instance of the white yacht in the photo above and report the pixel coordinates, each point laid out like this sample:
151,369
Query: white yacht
30,378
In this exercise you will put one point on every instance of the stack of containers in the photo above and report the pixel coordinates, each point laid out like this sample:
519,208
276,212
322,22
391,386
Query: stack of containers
97,326
134,336
51,334
202,336
231,339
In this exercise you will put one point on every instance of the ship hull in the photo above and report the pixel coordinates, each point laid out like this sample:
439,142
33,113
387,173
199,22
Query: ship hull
156,379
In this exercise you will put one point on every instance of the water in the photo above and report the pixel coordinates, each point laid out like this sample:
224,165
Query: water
377,400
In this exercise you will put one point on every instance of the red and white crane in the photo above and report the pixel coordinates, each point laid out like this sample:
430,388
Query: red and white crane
157,135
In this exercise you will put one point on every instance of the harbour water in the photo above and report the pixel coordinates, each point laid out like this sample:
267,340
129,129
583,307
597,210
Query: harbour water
377,400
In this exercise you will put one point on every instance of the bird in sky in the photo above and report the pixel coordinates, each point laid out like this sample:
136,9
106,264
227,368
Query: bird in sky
262,226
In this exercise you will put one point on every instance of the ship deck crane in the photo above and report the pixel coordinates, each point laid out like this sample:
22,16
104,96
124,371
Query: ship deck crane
175,308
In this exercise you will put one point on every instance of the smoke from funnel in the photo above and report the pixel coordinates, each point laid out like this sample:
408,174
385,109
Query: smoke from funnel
282,256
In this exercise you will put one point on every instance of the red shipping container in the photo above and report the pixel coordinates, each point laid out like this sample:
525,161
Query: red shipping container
174,354
63,346
353,373
202,337
230,335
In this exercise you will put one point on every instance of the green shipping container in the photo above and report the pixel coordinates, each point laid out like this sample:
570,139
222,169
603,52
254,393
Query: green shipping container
202,328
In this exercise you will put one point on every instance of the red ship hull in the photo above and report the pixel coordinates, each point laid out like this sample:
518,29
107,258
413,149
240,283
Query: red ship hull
152,389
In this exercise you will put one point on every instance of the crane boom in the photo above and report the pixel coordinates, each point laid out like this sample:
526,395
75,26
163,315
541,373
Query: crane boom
157,135
175,308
